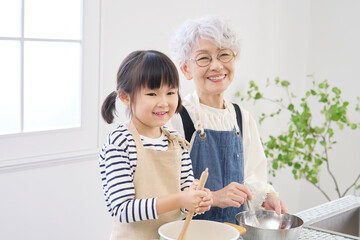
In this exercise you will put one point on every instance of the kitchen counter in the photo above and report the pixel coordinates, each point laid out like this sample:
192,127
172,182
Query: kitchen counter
321,211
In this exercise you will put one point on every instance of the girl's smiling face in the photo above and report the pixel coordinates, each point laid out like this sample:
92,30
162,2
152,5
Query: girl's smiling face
152,108
213,79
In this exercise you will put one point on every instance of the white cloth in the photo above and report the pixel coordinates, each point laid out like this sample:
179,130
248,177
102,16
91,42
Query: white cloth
255,162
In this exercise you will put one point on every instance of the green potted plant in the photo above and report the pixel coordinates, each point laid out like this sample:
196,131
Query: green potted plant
304,147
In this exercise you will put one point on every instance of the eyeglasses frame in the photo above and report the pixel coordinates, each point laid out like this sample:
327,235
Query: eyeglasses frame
217,57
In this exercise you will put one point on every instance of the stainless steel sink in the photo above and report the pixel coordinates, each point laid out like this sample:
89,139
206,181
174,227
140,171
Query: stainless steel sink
345,222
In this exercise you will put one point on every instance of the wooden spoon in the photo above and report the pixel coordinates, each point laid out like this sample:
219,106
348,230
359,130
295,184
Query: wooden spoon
200,186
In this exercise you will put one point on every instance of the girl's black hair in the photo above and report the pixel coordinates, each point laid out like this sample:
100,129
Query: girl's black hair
139,69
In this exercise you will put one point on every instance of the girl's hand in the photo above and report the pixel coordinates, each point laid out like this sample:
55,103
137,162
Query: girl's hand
273,202
201,199
194,184
205,203
233,195
191,198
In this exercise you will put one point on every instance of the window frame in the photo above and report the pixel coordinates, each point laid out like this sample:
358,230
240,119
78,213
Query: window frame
28,149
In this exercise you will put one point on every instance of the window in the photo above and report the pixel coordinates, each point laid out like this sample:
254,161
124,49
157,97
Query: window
49,79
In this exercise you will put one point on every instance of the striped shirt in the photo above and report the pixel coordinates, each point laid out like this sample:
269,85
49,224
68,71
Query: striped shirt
117,163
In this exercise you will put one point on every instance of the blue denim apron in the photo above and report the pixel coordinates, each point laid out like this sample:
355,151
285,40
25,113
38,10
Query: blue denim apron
222,153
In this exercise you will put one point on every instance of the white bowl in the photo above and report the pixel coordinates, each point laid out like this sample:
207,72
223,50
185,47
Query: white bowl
199,229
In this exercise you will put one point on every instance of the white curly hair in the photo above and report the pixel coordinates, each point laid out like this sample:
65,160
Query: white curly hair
207,27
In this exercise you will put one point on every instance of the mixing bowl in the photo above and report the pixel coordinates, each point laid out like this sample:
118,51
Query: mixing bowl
263,224
198,230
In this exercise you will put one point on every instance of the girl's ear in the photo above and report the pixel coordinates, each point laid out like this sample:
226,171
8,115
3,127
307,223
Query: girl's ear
186,71
125,98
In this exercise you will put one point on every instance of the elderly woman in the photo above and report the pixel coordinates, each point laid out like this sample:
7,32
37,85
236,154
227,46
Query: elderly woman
224,137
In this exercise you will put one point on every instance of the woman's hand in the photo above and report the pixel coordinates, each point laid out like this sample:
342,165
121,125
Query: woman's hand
273,202
233,195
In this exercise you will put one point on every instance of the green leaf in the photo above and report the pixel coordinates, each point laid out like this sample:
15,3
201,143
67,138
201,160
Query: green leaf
291,156
353,126
299,145
336,90
323,98
277,80
275,165
319,130
336,113
309,141
285,83
318,161
314,180
324,85
330,132
257,96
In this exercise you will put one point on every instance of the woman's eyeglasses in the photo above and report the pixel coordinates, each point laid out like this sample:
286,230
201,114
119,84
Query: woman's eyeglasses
204,59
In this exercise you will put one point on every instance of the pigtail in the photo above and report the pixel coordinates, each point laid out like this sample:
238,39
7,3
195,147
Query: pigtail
108,107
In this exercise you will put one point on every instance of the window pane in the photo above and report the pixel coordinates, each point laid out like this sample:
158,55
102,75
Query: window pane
10,18
51,85
10,87
61,19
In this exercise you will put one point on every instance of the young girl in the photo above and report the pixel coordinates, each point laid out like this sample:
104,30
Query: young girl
146,169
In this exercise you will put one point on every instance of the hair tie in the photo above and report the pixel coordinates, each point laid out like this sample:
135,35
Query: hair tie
116,94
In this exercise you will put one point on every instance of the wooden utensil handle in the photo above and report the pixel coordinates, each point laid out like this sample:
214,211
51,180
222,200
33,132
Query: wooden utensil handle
203,178
200,186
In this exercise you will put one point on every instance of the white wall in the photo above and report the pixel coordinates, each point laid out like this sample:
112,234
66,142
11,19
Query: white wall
54,202
280,38
333,54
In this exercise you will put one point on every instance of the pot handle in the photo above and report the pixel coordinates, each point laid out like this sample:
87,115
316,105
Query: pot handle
241,229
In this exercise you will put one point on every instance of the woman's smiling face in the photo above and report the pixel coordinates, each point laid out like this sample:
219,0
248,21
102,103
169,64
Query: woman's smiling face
213,79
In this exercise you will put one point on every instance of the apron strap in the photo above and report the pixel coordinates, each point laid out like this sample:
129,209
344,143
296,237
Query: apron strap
135,134
175,138
238,117
188,124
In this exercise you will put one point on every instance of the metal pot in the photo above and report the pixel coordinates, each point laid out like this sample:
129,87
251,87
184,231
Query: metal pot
264,224
199,229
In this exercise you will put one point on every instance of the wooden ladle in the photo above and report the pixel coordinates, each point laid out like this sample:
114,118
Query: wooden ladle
200,186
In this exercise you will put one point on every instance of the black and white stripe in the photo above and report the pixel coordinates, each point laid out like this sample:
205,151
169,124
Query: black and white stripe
117,163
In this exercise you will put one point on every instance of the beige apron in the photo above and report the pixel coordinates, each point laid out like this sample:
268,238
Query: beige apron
157,173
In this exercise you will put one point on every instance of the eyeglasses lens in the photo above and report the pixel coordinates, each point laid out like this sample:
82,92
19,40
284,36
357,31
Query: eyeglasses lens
225,55
204,59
